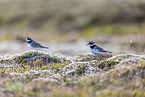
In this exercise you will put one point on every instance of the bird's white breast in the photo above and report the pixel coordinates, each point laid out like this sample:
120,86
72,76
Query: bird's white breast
29,45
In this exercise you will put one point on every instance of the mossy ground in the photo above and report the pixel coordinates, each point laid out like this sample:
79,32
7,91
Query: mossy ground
85,75
32,74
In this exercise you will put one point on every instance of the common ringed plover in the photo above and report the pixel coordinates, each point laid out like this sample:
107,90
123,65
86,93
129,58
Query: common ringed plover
33,44
96,49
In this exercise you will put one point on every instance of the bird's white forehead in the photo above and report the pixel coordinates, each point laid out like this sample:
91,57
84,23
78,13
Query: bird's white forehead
28,40
91,44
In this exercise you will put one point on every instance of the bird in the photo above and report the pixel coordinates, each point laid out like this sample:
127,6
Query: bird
96,49
33,44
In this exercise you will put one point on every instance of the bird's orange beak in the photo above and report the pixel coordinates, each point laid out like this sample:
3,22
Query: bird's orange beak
87,44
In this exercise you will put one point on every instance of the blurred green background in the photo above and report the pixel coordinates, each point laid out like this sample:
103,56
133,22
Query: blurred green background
114,22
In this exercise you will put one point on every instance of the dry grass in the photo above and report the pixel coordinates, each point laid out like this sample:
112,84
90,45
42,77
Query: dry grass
116,25
82,76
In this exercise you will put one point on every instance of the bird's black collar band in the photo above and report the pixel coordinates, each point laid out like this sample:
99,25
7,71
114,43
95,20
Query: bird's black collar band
92,47
29,41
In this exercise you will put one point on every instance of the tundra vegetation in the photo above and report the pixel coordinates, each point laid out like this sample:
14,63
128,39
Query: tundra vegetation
34,73
118,25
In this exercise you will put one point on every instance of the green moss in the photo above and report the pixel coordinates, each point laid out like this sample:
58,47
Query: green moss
120,77
15,87
108,64
139,93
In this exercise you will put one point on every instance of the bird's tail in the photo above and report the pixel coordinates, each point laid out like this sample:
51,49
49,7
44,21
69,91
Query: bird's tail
109,52
45,47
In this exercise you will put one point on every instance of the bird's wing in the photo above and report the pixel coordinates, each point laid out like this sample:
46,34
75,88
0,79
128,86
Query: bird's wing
101,49
36,44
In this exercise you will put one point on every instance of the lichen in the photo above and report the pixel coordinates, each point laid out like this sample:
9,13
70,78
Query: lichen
99,75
